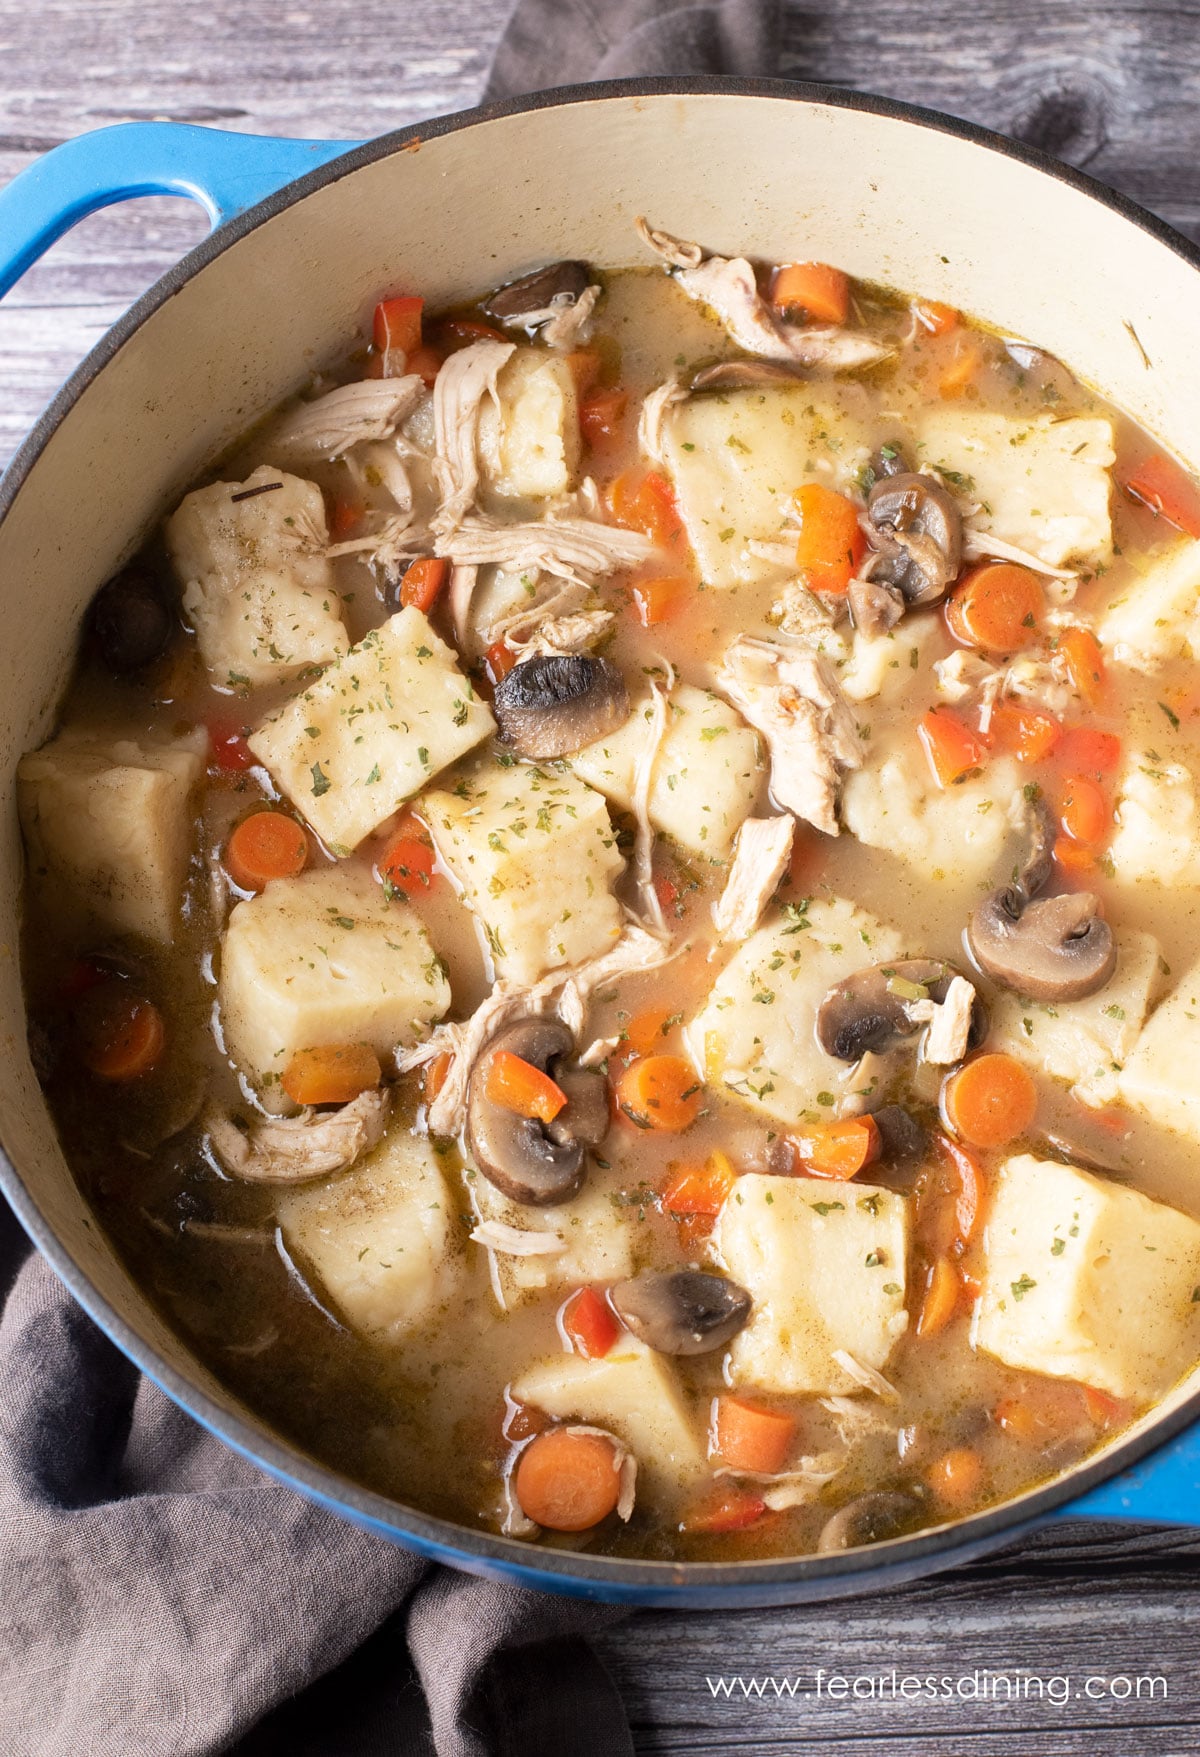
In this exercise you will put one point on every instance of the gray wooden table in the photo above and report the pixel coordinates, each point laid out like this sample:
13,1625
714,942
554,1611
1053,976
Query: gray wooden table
1113,87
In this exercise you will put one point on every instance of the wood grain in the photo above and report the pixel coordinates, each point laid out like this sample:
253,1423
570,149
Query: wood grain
1113,88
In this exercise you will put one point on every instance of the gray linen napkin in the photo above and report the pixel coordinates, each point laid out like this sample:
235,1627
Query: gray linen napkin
160,1596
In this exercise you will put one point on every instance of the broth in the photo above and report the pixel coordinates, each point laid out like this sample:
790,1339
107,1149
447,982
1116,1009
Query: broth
429,1418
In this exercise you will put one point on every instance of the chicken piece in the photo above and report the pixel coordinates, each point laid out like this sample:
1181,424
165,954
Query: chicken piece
760,856
650,421
463,382
564,634
730,290
794,700
290,1150
353,413
949,1023
560,544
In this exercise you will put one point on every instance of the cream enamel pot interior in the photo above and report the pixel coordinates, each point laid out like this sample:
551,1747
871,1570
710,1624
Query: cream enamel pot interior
768,169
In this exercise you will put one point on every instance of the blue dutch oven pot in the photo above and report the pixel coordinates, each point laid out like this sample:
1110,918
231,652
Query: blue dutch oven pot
306,234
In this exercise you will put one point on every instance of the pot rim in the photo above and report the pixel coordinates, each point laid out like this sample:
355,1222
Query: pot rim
560,1570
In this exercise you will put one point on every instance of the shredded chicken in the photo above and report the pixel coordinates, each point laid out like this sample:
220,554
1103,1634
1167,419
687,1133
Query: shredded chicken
516,1241
598,1051
792,1488
856,1417
564,634
961,673
643,782
565,323
290,1150
566,991
982,545
650,421
463,580
383,462
562,545
345,417
760,856
729,288
793,698
949,1023
458,392
867,1377
515,1522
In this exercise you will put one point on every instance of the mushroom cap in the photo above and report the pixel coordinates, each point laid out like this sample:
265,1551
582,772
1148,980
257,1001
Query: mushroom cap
528,1161
745,375
869,1518
131,621
920,525
904,1138
533,293
555,703
687,1312
874,606
1052,949
868,1012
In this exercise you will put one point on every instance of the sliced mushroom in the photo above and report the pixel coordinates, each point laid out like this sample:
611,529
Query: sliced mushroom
688,1312
131,622
875,607
290,1150
920,535
1045,948
533,294
527,1160
745,375
869,1011
555,703
903,1139
870,1518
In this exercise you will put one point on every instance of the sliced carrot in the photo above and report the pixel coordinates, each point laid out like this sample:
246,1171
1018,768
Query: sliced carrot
830,543
963,369
426,363
748,1437
1026,733
940,1300
1042,1410
423,581
840,1149
1105,1410
231,755
346,516
660,1092
398,324
950,1200
589,1323
584,366
568,1481
693,1231
700,1189
667,892
1168,490
123,1036
950,746
334,1073
996,607
405,868
266,845
935,317
516,1085
1085,811
818,290
498,662
1073,857
657,600
646,1030
1084,751
990,1100
729,1510
957,1476
600,416
644,501
437,1072
1084,660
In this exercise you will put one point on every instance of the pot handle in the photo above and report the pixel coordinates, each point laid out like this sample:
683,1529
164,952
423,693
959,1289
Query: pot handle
1163,1489
226,173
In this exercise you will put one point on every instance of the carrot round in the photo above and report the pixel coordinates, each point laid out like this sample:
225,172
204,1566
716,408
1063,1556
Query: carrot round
515,1084
589,1323
940,1301
422,582
700,1189
657,600
265,846
1084,811
729,1510
838,1150
748,1437
125,1037
935,317
957,1476
406,864
498,661
817,289
568,1481
600,416
830,543
1084,659
964,368
398,323
1028,733
990,1101
997,607
660,1092
334,1073
1167,489
950,746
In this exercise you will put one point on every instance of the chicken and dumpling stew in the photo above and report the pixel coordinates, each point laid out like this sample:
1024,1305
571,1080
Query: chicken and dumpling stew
613,918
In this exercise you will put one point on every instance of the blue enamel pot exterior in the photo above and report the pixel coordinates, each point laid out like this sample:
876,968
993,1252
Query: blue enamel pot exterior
305,235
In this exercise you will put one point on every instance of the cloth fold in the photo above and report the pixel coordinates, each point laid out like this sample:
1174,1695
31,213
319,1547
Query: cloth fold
162,1597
